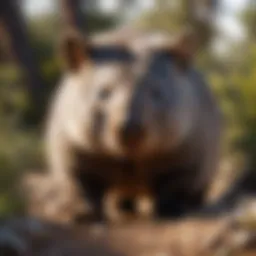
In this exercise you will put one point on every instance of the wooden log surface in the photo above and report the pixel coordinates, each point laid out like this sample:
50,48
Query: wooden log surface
190,237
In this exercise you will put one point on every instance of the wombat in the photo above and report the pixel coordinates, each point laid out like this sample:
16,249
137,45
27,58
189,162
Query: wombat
133,112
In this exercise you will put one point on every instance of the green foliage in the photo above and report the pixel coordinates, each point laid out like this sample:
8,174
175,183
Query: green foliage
248,18
168,18
244,84
234,85
19,149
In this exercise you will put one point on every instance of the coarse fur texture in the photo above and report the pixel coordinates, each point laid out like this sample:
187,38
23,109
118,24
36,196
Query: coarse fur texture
137,113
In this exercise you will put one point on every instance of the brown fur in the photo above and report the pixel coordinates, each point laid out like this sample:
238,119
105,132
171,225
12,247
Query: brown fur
178,153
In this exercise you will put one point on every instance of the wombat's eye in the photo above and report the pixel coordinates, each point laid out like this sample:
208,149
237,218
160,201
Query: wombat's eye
105,93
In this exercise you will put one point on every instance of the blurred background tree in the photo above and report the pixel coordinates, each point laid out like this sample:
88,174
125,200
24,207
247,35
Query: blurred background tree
26,85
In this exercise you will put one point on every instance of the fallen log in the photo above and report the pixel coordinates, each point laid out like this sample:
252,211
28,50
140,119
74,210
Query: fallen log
190,237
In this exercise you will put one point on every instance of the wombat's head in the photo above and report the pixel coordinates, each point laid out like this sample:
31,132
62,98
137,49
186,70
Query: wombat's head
129,100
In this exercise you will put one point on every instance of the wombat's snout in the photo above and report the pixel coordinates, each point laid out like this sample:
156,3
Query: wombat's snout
127,205
131,133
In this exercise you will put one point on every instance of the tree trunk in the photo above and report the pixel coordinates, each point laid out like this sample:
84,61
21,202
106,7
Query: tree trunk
15,26
200,15
72,14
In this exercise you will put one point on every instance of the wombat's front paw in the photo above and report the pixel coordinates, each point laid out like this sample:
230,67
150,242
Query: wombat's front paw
68,203
57,200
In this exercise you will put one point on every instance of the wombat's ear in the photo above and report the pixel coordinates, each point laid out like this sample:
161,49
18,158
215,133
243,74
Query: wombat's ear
73,49
185,46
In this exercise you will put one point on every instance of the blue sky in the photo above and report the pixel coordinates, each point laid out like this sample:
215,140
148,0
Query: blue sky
227,21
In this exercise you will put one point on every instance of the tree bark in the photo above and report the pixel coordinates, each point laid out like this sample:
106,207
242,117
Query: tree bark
72,14
15,26
200,15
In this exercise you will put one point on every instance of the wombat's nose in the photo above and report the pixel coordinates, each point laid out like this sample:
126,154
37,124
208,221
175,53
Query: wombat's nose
131,133
127,205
